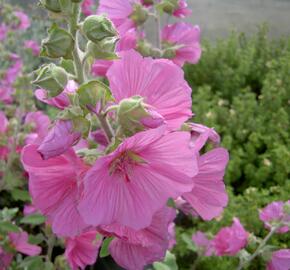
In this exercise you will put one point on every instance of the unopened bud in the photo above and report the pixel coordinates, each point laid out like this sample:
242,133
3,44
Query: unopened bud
98,28
168,6
51,78
140,14
51,5
169,53
103,50
58,44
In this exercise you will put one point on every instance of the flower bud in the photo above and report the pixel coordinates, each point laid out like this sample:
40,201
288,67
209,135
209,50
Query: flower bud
59,139
147,2
169,53
51,5
58,44
168,6
104,50
134,116
76,1
140,14
98,27
51,78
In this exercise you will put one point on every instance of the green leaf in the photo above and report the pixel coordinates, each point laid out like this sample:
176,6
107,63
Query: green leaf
189,242
105,247
8,213
34,219
169,263
6,226
20,195
32,263
36,239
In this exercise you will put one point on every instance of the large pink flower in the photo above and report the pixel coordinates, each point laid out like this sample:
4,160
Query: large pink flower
55,185
62,100
20,243
133,250
186,39
40,123
230,240
119,12
159,82
280,260
24,21
129,185
274,213
82,250
208,196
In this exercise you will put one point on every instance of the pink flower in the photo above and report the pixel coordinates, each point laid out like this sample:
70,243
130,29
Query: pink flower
200,134
274,213
203,243
171,233
59,139
127,41
40,123
280,260
119,11
185,207
129,185
230,240
208,196
6,93
82,250
99,137
24,21
5,259
87,7
13,71
182,10
133,250
55,185
62,100
186,39
33,45
3,31
20,243
159,82
29,209
3,122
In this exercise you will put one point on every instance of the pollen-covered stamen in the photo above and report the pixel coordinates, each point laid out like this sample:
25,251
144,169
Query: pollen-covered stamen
125,163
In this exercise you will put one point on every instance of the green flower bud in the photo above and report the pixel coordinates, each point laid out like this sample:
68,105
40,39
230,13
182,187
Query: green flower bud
140,14
144,47
168,6
98,27
76,1
51,78
51,5
169,53
148,2
59,43
104,49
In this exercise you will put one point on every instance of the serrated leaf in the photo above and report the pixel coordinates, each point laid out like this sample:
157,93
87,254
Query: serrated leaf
34,219
20,195
105,247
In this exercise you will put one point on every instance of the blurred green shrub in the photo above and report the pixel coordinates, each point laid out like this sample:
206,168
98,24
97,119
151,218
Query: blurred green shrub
242,87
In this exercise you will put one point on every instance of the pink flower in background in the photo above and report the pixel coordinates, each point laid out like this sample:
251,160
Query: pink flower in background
127,41
82,250
208,196
62,100
59,139
29,209
186,39
55,185
230,240
119,11
24,21
6,92
87,7
40,123
20,242
129,185
3,31
133,250
203,243
5,259
182,10
33,45
14,70
159,82
185,207
3,122
280,260
274,213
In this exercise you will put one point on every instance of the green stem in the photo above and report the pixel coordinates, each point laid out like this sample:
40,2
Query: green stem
106,126
259,248
158,35
73,28
50,244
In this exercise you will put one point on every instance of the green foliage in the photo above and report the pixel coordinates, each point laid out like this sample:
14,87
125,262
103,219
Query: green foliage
241,87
